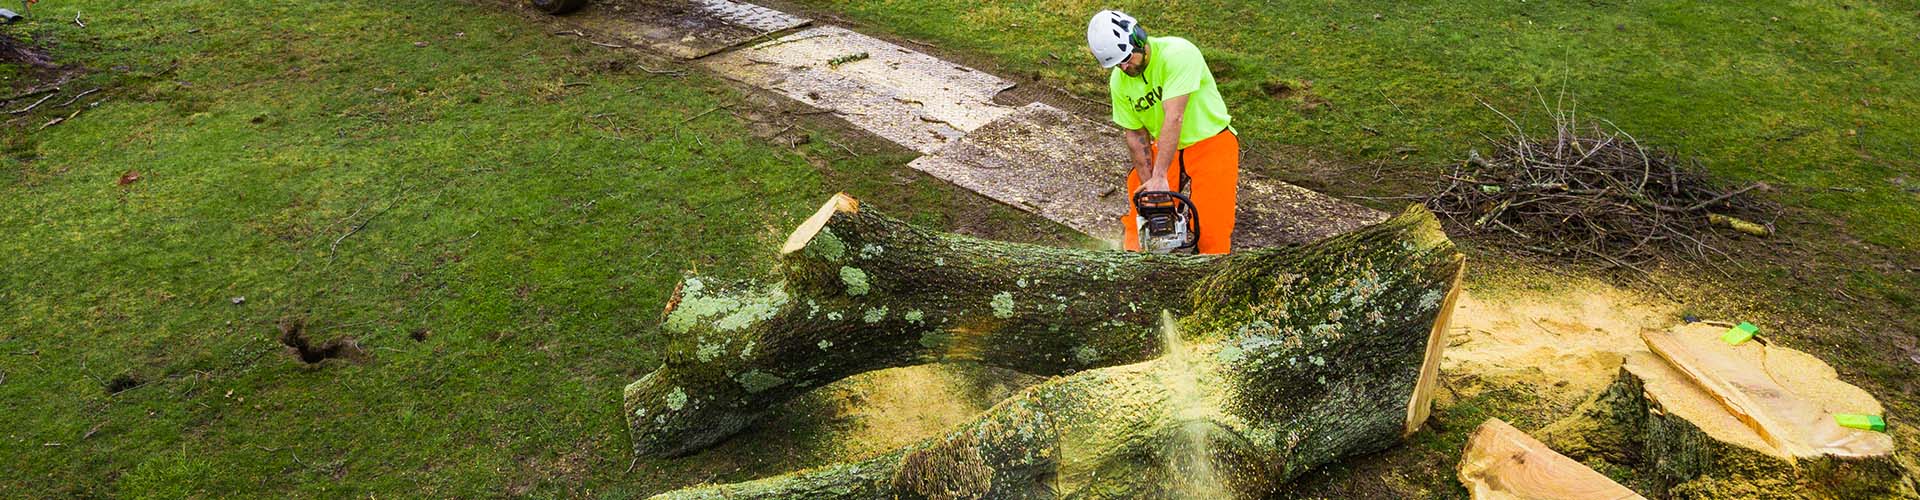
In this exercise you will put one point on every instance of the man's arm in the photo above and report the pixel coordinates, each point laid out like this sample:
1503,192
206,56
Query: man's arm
1142,158
1168,144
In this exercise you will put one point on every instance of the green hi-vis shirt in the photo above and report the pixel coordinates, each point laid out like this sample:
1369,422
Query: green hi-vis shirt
1174,68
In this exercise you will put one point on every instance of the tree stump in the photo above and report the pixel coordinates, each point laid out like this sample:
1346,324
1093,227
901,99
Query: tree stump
1292,357
1697,418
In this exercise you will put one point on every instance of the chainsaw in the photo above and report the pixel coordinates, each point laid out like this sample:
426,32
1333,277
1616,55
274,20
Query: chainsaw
1167,222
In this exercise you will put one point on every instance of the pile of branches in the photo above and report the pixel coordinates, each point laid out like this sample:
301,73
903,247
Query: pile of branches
1592,193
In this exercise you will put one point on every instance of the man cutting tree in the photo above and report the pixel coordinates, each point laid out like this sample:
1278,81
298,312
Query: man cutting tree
1179,135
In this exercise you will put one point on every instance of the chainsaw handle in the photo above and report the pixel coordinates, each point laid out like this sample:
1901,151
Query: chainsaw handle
1160,198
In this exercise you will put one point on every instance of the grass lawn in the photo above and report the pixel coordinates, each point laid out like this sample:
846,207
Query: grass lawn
495,215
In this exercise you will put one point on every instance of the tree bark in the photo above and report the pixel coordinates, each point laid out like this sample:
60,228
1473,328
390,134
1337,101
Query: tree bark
858,291
1682,441
1291,357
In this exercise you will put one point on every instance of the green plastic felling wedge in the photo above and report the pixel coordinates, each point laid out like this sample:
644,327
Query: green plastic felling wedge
1862,422
1738,334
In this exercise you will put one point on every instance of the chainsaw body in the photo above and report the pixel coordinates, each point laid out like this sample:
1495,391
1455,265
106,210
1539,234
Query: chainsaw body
1167,222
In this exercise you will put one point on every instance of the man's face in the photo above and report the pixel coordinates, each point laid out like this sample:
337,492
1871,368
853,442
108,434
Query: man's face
1135,63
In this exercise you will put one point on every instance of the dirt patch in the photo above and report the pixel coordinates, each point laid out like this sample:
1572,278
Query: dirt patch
1296,90
14,51
1286,89
293,335
123,382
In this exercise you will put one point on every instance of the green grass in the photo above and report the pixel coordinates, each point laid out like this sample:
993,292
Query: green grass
1805,95
525,202
522,203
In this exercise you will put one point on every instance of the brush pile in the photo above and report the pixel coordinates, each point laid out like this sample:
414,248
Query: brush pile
1589,193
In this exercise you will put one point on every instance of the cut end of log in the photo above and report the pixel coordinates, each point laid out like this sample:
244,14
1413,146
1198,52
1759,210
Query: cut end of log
1421,406
1786,397
840,203
1501,462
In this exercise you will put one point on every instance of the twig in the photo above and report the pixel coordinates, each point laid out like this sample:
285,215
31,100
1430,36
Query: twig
77,98
607,45
841,146
577,33
702,113
1724,197
652,71
575,84
356,229
76,19
35,104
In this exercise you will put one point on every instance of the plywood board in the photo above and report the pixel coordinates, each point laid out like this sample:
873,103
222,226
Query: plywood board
1046,161
687,29
905,96
1502,463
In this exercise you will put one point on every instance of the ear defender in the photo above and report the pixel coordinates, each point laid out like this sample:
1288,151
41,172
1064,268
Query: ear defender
1138,38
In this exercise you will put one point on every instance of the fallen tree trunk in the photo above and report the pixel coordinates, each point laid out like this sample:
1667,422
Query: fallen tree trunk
1299,355
1697,418
858,291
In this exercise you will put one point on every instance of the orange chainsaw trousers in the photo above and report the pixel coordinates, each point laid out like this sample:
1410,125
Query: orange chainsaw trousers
1213,168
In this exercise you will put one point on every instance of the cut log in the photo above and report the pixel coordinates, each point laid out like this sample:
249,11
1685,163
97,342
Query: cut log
1703,419
1293,357
1502,463
858,291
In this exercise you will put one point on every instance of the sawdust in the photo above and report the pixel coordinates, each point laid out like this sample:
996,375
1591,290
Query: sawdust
888,409
1567,340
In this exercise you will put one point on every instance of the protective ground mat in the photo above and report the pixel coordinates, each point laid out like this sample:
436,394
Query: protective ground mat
687,29
1073,171
905,96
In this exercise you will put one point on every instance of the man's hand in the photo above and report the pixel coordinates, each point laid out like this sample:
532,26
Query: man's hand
1155,184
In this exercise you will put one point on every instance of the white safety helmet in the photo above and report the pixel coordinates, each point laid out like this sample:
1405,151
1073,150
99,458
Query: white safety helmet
1113,35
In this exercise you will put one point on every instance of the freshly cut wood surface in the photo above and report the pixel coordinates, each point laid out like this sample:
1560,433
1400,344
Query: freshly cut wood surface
1421,406
1503,463
1740,379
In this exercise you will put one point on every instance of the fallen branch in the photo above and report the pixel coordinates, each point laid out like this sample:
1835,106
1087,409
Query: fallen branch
35,104
77,98
690,119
